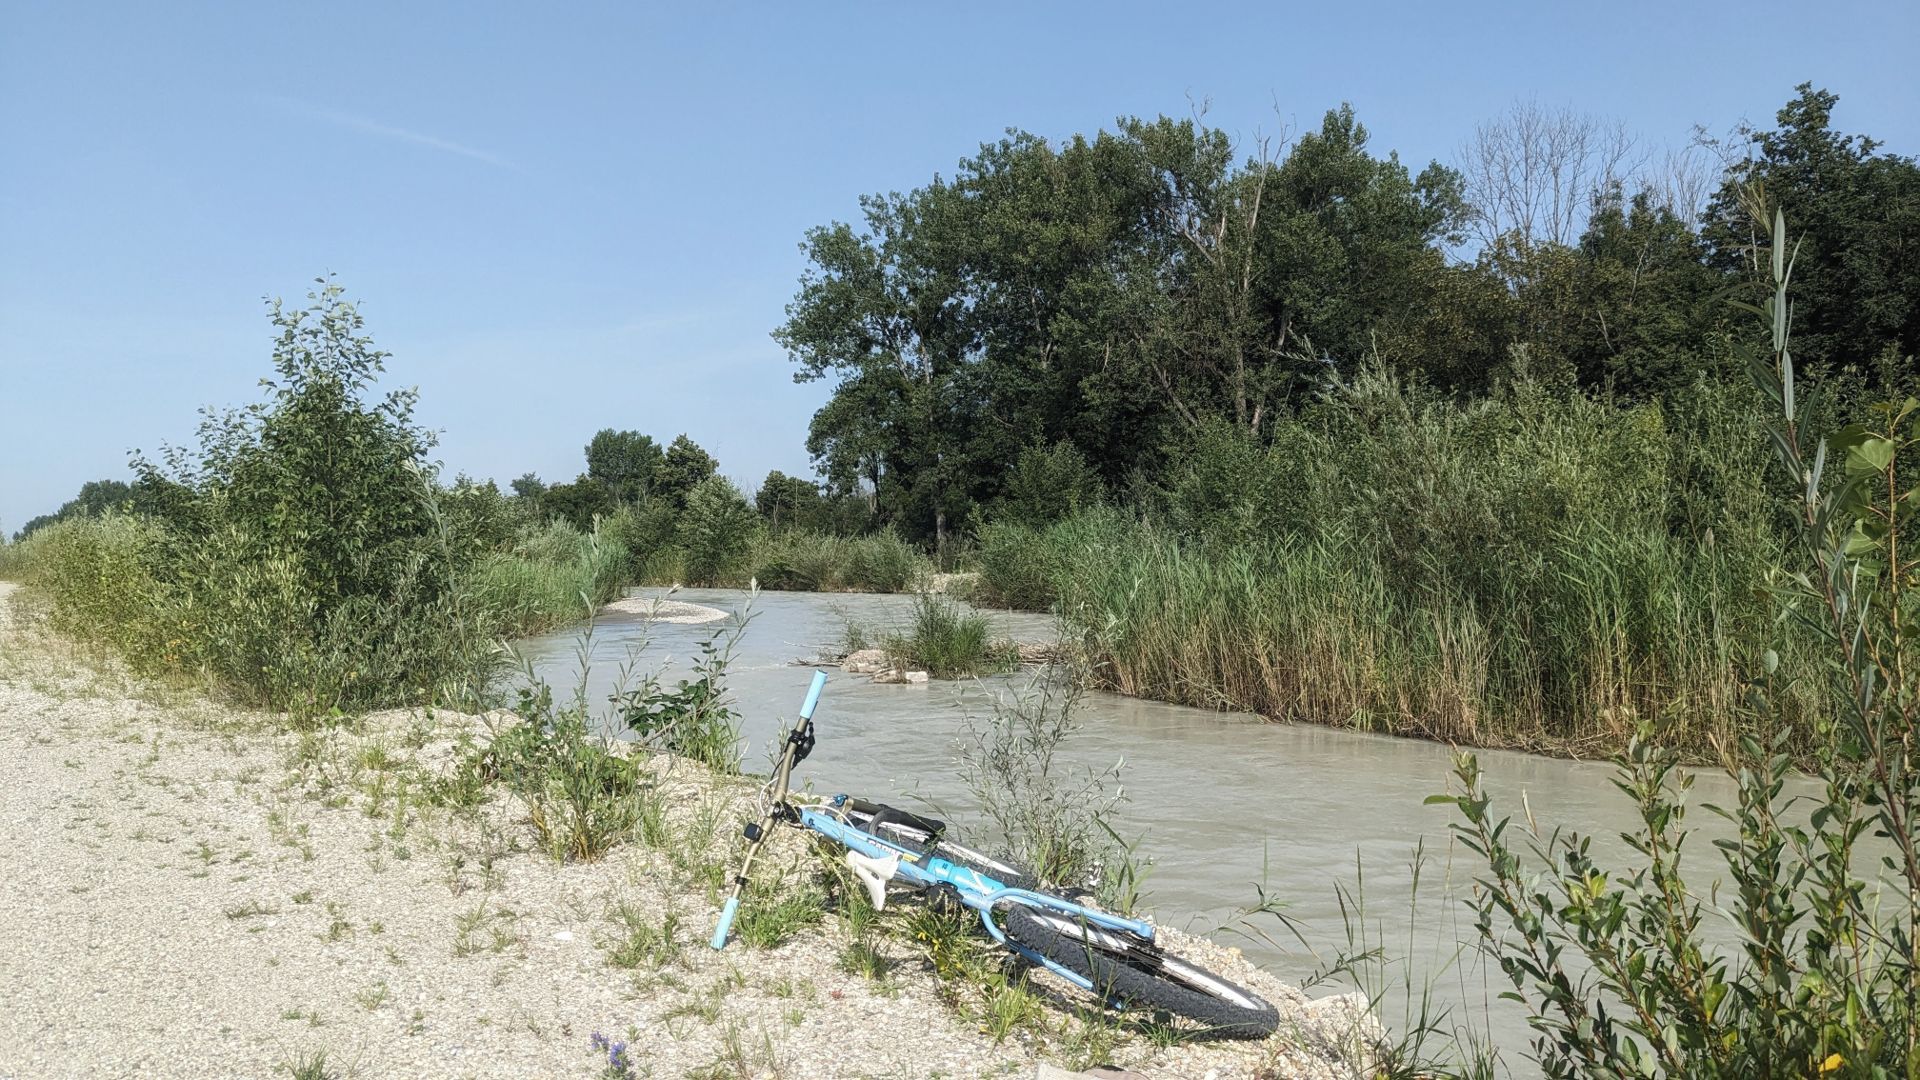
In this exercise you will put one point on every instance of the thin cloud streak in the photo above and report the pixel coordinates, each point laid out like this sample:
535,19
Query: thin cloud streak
388,131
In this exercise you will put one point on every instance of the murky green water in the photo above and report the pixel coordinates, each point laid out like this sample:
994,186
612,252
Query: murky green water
1223,800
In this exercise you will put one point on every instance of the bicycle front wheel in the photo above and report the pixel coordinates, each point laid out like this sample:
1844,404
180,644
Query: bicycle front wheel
1132,969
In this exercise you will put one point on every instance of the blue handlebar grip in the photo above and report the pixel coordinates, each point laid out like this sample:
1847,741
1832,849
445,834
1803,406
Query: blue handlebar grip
726,922
813,695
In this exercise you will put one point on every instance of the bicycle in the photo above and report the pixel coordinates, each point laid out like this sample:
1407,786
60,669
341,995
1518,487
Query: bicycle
1113,957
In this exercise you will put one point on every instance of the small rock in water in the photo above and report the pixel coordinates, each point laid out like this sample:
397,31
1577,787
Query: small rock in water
866,662
916,676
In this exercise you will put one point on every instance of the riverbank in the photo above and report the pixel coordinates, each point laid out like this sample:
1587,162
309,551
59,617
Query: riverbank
186,889
1561,647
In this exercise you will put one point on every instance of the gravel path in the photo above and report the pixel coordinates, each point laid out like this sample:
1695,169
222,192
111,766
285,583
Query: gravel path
186,890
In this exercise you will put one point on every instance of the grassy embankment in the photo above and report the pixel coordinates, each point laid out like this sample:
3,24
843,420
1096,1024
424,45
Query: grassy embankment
508,811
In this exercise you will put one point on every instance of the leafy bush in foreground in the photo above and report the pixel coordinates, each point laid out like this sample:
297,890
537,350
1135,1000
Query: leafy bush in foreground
695,718
1612,963
306,555
299,557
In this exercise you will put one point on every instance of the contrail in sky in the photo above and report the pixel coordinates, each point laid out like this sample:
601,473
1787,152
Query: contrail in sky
388,131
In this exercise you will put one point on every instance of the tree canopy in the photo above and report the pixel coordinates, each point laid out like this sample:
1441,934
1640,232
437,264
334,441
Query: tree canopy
1113,294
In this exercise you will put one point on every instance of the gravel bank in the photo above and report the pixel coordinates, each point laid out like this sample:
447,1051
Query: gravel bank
185,890
667,611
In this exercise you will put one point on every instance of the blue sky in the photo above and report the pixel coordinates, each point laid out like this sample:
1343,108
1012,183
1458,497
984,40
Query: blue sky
560,218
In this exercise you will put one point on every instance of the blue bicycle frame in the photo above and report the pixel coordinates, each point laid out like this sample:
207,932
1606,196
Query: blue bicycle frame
917,869
922,870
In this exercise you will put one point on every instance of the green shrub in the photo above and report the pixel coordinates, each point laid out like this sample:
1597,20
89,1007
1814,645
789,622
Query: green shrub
1016,566
883,562
695,718
647,533
100,573
581,797
804,560
481,519
716,532
948,641
1050,814
299,557
1611,957
797,561
1046,484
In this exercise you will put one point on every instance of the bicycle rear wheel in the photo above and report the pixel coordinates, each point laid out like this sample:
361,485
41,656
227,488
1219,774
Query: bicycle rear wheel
1130,968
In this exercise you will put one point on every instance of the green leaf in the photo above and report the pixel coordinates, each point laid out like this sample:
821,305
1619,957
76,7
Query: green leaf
1872,455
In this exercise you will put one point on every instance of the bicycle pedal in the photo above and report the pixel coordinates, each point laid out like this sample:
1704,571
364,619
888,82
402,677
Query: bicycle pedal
874,874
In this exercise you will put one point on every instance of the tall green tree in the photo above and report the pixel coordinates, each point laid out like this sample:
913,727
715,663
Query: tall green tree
886,313
95,497
1857,214
715,530
625,461
1275,272
1632,307
681,469
579,502
782,499
1105,292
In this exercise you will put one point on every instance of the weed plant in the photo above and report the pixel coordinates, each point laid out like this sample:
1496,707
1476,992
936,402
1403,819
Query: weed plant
583,795
1053,817
695,718
647,944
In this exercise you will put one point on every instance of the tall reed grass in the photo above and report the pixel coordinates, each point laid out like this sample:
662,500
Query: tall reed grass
1531,571
1612,629
813,561
13,565
550,577
948,640
215,611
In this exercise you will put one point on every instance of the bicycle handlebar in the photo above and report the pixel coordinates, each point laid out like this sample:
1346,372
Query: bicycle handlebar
813,695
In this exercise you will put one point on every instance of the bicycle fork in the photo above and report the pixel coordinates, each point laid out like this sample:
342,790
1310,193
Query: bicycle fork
799,742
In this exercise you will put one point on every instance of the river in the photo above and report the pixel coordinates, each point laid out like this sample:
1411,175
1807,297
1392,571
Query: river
1223,801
